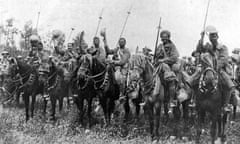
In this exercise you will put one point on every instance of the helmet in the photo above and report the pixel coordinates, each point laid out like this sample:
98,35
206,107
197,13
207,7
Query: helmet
211,29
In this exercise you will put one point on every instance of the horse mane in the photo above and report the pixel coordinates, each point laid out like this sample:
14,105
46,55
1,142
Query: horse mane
139,60
23,64
86,57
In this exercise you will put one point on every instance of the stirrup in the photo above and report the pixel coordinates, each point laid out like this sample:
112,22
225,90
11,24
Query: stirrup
227,108
192,104
173,104
46,96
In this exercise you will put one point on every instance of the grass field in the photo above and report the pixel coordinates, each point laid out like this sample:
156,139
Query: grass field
39,130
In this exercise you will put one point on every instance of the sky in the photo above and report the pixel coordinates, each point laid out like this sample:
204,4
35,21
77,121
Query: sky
183,18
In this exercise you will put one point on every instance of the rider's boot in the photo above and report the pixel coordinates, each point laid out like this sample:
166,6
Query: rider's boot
226,100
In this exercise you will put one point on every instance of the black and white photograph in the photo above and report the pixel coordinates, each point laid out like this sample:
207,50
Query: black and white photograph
119,72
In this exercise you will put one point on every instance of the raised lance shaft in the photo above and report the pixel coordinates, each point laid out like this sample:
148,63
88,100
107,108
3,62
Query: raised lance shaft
99,21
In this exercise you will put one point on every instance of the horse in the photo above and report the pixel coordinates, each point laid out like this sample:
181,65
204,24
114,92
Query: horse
109,92
153,91
27,81
96,79
54,85
209,99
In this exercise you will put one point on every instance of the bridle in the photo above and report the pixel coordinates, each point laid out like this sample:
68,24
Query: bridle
102,75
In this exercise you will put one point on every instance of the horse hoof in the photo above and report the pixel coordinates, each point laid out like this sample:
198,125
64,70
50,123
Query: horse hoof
172,138
217,141
87,131
155,142
185,139
52,119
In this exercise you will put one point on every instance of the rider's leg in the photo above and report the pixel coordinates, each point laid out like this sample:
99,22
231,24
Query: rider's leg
230,87
170,78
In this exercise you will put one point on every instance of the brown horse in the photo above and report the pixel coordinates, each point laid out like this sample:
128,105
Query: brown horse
27,81
209,99
54,84
153,91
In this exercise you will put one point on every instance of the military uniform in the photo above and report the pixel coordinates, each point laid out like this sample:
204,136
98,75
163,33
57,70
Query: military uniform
169,60
215,57
122,56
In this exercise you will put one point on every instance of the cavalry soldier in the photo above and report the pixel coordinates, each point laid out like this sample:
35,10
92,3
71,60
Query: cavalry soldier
216,56
121,57
97,51
166,57
35,51
68,54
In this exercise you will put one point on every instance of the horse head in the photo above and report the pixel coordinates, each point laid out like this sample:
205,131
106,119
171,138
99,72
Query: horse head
140,68
85,66
13,68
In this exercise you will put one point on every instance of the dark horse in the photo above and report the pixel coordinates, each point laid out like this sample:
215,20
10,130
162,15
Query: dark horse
27,81
94,78
209,98
153,91
54,84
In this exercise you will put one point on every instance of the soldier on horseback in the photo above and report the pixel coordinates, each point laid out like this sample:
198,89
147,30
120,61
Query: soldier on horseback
166,57
215,55
35,51
97,51
121,56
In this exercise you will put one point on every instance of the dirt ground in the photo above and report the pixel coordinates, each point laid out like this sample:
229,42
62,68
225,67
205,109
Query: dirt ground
65,130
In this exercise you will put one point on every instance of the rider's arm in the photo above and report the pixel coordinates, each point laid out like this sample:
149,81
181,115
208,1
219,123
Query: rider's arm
106,47
173,58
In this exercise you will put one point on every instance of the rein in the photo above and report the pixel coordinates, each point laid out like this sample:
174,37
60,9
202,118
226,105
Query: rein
88,78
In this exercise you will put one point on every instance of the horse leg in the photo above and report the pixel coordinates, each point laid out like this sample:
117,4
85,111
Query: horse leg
200,120
137,111
33,104
213,130
127,109
18,97
89,112
79,102
185,110
44,106
104,107
60,100
234,112
53,103
166,111
26,101
111,109
156,112
224,120
148,110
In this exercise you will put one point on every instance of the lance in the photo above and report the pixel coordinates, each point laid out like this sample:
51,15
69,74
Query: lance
158,33
37,20
72,29
205,21
99,21
137,50
125,23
